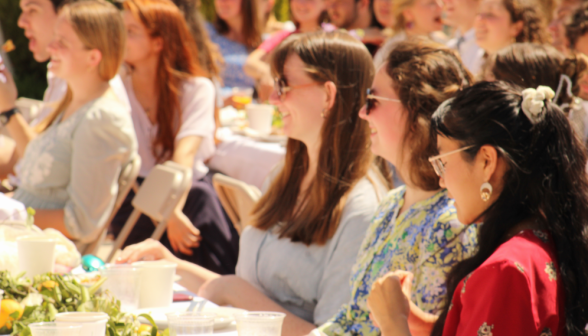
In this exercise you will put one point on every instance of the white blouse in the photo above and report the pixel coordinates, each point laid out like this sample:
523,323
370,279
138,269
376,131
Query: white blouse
197,103
74,165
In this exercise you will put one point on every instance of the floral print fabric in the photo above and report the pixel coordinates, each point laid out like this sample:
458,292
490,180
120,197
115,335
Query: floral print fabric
426,239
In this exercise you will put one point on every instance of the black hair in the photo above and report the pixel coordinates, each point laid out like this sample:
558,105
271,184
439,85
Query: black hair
57,4
546,180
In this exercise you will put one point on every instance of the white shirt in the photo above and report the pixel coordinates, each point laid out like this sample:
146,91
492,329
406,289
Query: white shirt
56,91
197,102
471,54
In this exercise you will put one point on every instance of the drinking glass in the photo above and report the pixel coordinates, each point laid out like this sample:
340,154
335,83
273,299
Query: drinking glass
124,282
260,323
190,323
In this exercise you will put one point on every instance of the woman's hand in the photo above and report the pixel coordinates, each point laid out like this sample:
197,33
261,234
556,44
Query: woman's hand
182,234
148,250
388,304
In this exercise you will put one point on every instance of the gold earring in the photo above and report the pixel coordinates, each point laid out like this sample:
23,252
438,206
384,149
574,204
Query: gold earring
323,113
486,191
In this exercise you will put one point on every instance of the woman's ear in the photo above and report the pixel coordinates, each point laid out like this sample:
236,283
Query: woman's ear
157,44
331,90
516,28
95,57
488,160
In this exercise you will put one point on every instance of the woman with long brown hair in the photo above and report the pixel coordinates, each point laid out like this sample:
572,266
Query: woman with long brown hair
172,105
297,255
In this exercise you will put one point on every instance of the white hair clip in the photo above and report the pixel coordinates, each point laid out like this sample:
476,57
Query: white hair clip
534,101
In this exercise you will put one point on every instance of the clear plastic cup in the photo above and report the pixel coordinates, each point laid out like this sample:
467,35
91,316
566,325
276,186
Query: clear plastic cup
124,283
260,323
55,329
190,323
260,117
93,324
157,281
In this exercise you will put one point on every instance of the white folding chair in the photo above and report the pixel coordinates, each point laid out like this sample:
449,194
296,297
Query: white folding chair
238,199
126,181
157,197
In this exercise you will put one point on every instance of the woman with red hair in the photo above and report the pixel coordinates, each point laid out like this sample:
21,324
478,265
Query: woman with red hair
172,101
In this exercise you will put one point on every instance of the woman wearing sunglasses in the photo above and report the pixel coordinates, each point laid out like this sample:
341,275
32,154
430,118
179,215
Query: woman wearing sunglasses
512,161
415,228
297,254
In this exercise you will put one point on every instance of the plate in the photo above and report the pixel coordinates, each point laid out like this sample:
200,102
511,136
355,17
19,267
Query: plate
224,315
253,134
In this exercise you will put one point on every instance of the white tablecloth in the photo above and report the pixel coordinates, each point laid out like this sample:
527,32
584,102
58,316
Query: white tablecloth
245,159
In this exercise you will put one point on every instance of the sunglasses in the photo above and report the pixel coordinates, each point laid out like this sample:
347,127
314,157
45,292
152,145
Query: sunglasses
438,165
371,99
281,86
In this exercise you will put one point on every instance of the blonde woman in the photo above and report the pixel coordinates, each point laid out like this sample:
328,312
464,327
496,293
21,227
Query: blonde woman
73,158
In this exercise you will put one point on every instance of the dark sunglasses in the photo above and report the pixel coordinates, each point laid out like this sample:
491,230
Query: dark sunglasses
370,101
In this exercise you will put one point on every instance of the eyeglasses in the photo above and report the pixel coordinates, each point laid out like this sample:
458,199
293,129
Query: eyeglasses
281,87
438,165
370,102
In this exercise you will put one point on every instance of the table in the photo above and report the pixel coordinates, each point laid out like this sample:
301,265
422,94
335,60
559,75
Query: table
229,331
244,158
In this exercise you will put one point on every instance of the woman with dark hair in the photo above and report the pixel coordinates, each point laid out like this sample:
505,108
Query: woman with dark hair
237,31
577,30
296,255
513,162
531,65
415,228
502,22
172,106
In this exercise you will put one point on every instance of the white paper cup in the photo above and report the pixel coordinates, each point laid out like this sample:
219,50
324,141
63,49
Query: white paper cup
190,323
157,281
124,283
36,255
93,324
260,323
54,329
260,117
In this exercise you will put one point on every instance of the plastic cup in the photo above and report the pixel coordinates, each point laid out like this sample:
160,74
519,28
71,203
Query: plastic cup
93,324
157,281
260,117
54,329
260,323
242,96
190,323
124,283
36,255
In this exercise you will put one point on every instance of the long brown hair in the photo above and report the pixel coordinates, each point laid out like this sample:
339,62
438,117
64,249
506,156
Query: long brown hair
344,155
98,25
252,26
178,61
424,74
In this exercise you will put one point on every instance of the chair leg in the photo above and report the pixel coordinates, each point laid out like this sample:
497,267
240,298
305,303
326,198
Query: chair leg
124,233
159,230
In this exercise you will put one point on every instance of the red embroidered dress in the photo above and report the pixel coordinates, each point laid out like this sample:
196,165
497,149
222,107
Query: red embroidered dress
517,291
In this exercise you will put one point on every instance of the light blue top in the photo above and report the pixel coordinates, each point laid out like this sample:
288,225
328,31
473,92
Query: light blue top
235,54
75,164
312,281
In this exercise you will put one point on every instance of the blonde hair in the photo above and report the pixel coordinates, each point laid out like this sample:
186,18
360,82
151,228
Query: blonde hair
98,25
398,8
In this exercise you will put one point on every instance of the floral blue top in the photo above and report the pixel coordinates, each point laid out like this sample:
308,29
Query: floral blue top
425,239
235,55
